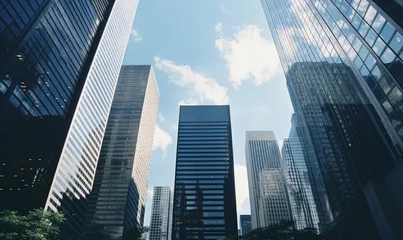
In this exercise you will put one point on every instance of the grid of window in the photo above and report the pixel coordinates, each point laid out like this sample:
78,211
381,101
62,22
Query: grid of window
117,199
161,209
273,202
339,107
299,189
204,201
261,150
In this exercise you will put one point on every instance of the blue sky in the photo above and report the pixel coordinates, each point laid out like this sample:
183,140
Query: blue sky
210,52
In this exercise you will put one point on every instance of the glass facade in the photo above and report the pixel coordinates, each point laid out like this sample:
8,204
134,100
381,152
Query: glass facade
204,197
261,152
58,71
117,201
342,61
246,224
161,210
302,202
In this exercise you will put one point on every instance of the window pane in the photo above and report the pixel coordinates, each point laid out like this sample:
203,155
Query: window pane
388,56
362,8
386,85
387,106
395,95
397,42
379,46
387,32
370,15
371,36
363,29
378,23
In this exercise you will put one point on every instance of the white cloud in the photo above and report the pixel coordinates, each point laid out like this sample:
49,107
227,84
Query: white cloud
223,9
162,140
161,117
206,88
135,35
249,56
218,27
190,101
150,193
242,189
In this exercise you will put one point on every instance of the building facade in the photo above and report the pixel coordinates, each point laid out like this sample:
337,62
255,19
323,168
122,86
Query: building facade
204,204
273,203
261,152
342,61
246,224
117,201
52,68
300,195
160,215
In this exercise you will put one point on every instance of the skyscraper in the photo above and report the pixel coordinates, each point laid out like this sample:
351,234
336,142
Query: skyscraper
160,215
302,203
246,224
261,152
342,61
117,201
59,64
204,197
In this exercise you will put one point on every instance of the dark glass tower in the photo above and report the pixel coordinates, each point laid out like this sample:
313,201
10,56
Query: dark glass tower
117,201
59,64
246,224
343,65
204,197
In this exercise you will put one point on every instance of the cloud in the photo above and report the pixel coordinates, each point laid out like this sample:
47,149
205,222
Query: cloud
223,9
206,88
218,27
162,140
190,101
248,56
135,35
150,193
242,189
161,117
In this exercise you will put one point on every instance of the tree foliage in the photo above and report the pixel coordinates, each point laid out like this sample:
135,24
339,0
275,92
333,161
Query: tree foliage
283,231
35,225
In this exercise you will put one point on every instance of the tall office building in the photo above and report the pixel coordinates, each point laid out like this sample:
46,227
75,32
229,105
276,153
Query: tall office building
204,197
59,64
160,213
300,195
342,61
246,224
261,152
117,200
273,200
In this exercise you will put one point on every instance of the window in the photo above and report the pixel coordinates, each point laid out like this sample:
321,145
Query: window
379,46
371,36
397,42
395,95
370,15
363,29
386,84
378,23
387,32
388,56
387,106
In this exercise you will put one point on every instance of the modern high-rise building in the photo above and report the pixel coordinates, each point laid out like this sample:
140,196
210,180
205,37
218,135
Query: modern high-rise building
343,65
273,200
160,213
204,197
262,152
59,65
302,203
117,201
246,224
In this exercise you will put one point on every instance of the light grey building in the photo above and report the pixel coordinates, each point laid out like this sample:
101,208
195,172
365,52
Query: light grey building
160,215
261,152
273,202
117,202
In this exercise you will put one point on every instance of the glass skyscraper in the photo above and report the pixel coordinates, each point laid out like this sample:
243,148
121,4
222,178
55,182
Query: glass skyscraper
59,64
302,203
246,223
161,209
204,204
262,152
117,200
343,65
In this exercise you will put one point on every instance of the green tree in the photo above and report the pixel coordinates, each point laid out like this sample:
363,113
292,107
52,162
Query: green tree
95,234
35,225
